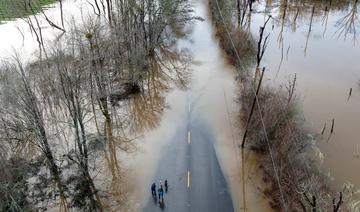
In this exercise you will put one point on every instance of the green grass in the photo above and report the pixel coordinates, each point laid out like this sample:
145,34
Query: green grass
11,9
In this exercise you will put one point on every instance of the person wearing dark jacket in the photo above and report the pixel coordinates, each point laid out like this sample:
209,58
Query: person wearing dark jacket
153,189
166,186
161,194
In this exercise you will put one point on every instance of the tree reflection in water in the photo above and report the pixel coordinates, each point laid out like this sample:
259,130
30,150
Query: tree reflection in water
287,13
165,72
142,111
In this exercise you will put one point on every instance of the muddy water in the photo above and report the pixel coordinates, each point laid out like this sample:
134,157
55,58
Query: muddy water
325,58
211,94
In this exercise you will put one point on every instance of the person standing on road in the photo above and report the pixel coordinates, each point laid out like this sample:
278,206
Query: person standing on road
161,185
166,186
153,189
161,195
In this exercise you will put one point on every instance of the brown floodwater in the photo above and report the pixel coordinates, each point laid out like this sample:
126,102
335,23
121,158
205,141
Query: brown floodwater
319,43
321,47
211,93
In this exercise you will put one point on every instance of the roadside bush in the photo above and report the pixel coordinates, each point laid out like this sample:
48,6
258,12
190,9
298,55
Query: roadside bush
240,38
291,144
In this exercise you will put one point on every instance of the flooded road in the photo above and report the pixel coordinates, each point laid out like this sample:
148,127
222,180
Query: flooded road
318,42
211,97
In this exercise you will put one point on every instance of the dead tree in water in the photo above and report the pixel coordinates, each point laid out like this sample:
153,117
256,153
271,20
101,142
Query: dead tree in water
332,126
350,92
336,206
290,87
252,109
323,129
261,46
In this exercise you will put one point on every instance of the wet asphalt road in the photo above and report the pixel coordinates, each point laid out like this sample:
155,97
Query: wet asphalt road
189,163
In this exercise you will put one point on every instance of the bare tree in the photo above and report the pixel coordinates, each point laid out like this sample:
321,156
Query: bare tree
261,45
23,121
71,75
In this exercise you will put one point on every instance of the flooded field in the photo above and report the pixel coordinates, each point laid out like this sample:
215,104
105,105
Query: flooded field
317,42
312,43
17,35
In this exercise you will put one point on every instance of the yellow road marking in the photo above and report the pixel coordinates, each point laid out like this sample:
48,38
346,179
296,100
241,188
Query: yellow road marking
189,137
188,179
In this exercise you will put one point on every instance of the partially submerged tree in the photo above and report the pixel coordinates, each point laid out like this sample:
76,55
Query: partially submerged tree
22,117
94,74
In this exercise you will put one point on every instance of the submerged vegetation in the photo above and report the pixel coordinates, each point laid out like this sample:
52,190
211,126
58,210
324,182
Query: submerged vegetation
242,44
66,113
272,118
10,9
